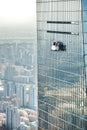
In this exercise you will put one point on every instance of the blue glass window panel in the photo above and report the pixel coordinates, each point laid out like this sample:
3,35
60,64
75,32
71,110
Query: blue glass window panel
85,48
84,15
86,59
84,26
85,38
84,4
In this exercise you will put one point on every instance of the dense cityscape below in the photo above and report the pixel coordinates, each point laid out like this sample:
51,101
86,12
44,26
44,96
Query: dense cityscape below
18,85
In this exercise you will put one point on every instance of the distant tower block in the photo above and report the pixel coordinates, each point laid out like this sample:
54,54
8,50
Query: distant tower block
33,97
12,118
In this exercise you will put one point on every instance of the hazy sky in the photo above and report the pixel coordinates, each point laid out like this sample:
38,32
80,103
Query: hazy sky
16,16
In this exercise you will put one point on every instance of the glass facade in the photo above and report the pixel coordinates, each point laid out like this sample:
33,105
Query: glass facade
62,93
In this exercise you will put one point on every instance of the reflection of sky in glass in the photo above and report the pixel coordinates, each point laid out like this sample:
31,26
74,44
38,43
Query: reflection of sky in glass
85,26
84,4
85,38
85,46
84,16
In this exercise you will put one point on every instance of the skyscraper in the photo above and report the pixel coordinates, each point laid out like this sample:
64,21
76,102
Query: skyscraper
62,64
12,118
32,97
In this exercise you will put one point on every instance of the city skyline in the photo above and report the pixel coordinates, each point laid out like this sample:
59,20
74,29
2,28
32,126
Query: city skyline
43,65
18,72
18,84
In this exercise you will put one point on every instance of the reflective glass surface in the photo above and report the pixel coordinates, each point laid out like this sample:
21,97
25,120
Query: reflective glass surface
84,15
84,26
85,37
61,81
84,4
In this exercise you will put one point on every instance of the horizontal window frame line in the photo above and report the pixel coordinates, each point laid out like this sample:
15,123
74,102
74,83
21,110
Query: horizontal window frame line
84,10
44,21
60,32
84,32
85,21
61,119
51,11
85,66
52,1
85,54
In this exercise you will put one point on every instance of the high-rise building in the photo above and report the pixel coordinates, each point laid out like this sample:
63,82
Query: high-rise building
33,97
12,118
21,93
9,88
62,64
